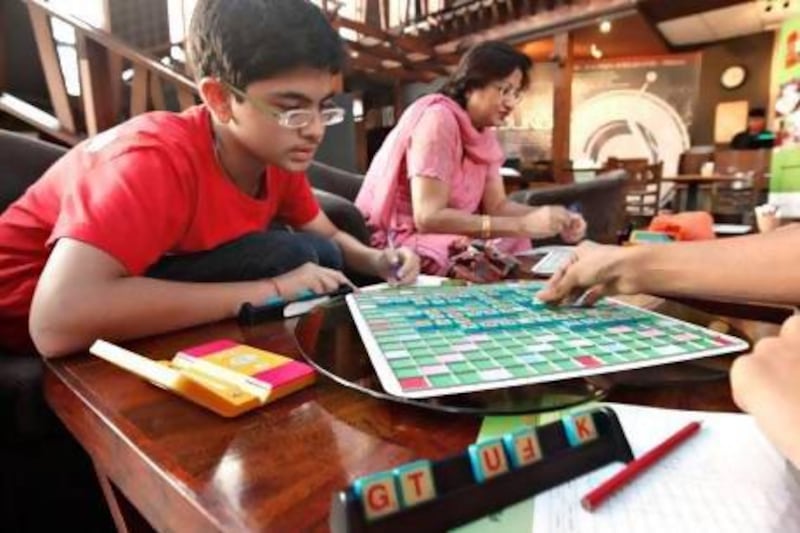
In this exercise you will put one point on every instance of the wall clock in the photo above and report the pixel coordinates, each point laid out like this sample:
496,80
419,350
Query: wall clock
733,77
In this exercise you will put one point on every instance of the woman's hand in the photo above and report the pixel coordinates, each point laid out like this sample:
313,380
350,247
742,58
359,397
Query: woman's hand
575,230
551,220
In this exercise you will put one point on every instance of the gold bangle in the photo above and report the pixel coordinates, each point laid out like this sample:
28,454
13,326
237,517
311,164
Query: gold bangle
486,226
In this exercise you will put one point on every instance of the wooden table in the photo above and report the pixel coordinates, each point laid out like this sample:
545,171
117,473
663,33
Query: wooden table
275,469
693,183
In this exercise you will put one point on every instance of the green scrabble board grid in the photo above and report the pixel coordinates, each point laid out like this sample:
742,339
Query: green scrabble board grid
434,341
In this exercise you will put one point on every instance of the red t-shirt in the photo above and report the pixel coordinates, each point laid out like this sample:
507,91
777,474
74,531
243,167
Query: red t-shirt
148,187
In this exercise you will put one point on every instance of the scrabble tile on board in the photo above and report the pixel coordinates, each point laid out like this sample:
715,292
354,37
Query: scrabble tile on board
488,459
416,483
579,428
523,447
378,494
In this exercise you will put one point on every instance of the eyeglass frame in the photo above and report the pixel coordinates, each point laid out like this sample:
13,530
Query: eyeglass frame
507,91
283,117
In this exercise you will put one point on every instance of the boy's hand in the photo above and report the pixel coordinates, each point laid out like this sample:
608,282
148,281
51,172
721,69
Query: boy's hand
592,267
399,266
765,384
311,277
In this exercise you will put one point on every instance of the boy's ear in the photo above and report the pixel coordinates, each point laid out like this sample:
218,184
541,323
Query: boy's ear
217,97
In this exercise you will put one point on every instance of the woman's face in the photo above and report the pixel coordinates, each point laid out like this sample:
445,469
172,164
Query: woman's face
490,105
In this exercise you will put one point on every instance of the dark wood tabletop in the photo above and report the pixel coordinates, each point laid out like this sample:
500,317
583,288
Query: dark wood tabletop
275,468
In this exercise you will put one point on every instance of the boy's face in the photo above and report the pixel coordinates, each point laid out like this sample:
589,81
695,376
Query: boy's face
258,129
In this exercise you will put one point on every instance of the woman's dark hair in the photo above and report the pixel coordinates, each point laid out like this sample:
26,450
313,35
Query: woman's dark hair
242,41
483,64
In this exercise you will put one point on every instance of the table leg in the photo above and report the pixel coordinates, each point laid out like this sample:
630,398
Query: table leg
692,192
126,517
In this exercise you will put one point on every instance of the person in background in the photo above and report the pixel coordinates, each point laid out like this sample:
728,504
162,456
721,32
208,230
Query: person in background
163,222
437,177
756,135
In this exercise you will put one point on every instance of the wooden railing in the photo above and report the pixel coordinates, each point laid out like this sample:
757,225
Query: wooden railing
102,58
521,19
472,15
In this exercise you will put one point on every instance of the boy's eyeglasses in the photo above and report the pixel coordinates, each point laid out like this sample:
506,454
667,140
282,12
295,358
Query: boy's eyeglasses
508,92
293,119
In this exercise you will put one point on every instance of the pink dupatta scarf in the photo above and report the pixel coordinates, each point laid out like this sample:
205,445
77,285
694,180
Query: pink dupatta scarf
377,196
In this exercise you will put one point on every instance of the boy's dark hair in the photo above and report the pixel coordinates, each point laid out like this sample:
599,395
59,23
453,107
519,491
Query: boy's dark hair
483,64
242,41
757,112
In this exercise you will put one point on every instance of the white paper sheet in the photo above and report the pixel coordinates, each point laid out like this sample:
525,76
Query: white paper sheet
727,477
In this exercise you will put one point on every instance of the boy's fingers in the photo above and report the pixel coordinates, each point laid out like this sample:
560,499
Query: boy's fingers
397,261
408,277
399,264
338,278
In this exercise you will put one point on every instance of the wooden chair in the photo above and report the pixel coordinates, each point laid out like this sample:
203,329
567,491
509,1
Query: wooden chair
600,200
43,467
643,191
691,162
734,202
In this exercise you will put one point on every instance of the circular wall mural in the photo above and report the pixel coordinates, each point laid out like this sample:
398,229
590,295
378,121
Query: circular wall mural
628,124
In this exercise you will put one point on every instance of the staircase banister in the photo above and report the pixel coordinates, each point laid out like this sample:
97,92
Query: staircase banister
115,44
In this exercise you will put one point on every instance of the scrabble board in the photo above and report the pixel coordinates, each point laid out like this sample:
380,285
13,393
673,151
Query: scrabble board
434,341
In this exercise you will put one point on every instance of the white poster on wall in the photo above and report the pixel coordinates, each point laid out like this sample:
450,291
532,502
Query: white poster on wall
638,108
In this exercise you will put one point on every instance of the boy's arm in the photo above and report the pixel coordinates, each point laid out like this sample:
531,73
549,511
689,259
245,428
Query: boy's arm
368,260
759,267
84,294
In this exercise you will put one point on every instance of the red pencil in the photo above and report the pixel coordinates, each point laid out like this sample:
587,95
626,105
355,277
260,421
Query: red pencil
592,501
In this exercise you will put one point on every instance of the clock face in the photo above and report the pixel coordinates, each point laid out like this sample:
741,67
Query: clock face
733,77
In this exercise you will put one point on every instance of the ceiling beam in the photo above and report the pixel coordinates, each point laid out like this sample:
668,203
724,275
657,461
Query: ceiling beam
566,15
368,64
384,52
406,43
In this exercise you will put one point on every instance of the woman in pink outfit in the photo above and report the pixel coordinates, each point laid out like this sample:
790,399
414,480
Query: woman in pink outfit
437,176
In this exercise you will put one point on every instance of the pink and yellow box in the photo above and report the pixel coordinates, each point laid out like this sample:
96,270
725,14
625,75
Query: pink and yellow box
281,374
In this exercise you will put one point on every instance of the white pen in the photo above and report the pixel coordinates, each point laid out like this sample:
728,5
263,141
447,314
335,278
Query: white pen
395,262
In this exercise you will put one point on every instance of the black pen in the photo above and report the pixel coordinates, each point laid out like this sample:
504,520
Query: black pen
276,307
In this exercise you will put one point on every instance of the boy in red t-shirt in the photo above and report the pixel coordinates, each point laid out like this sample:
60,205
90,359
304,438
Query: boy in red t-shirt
161,223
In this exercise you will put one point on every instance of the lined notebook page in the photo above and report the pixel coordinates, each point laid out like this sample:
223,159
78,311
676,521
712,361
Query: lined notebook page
726,478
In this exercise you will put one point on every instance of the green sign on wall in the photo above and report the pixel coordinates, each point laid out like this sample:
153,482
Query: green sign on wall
785,169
